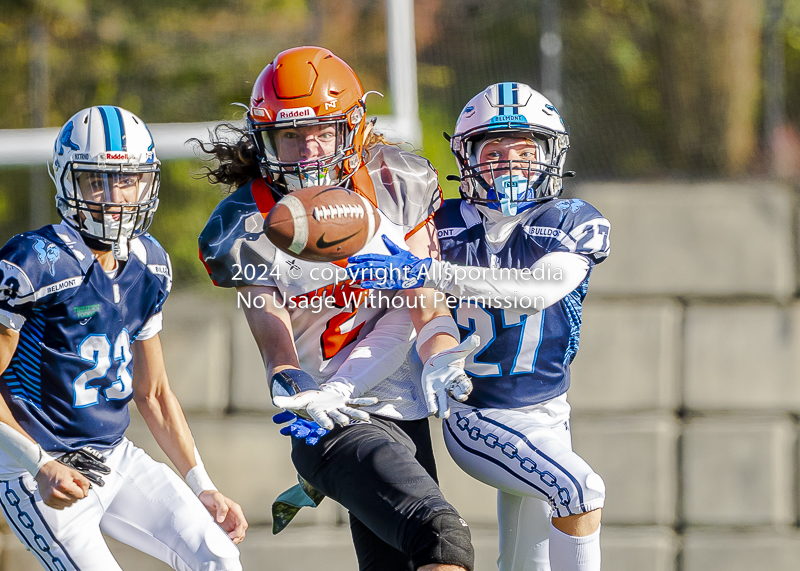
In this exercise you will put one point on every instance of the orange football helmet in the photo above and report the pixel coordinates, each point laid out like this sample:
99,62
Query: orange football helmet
307,94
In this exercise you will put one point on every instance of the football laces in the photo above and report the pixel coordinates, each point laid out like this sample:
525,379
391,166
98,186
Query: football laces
338,211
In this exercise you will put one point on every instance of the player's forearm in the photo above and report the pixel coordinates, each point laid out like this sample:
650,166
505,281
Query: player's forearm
7,418
21,448
14,440
9,338
272,330
164,417
429,306
547,282
159,406
423,310
376,356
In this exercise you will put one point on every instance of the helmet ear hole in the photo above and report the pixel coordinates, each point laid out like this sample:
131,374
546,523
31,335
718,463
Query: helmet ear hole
355,116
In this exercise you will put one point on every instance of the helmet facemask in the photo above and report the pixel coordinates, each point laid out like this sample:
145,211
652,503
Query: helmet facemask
511,184
283,149
111,203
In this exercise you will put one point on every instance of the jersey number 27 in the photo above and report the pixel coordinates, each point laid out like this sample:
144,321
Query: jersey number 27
481,321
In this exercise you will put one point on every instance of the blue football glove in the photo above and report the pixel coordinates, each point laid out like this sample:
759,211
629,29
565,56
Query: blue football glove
400,270
301,428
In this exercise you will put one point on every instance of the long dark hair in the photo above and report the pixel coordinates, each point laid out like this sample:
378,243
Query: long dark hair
234,152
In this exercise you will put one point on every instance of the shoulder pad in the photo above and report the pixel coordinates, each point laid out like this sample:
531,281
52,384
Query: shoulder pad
233,239
34,266
73,241
571,225
153,256
454,217
406,186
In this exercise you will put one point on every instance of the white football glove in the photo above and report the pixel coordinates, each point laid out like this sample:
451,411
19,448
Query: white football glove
325,406
443,373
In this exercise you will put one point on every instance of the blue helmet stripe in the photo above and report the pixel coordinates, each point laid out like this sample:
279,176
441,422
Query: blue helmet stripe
508,96
507,106
515,98
122,128
114,128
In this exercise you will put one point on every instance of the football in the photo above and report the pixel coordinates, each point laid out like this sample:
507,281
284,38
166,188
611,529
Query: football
322,223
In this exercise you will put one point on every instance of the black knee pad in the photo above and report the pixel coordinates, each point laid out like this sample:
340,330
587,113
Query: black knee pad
444,539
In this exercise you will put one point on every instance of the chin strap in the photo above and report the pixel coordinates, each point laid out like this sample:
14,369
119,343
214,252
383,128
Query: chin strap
121,248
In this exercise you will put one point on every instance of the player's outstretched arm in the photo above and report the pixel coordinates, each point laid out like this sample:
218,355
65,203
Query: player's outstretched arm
59,485
271,327
403,269
424,244
164,417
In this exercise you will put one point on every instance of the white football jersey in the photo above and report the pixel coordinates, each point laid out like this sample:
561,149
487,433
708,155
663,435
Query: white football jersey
330,317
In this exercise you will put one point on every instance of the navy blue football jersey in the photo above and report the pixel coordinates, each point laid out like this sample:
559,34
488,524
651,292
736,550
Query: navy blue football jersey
70,379
524,356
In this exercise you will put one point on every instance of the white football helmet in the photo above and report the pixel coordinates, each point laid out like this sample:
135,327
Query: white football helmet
107,176
510,110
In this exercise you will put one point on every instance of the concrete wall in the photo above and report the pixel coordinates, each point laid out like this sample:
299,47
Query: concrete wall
686,393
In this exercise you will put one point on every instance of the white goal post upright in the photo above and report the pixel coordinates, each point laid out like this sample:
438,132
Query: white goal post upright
402,61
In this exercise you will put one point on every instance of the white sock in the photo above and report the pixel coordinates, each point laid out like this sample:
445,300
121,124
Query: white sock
524,525
568,553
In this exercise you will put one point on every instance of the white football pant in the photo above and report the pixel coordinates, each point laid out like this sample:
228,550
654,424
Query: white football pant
528,457
143,504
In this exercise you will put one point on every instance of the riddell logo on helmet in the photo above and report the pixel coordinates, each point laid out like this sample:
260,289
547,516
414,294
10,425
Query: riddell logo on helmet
116,156
297,113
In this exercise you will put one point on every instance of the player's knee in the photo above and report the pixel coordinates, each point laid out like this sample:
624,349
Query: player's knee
579,525
444,539
219,553
223,564
588,494
597,490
